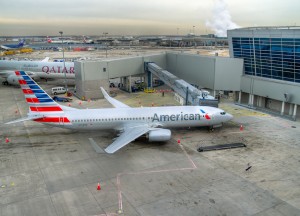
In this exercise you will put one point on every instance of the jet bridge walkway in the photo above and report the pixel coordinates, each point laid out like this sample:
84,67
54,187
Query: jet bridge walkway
192,95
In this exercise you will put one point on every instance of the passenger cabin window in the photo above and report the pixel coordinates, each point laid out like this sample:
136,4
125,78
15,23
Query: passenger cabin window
222,113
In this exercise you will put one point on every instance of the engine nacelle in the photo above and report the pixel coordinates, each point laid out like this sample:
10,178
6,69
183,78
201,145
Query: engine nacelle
12,79
159,135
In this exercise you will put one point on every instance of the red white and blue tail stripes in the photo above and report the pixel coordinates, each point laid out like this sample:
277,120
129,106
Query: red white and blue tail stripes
39,101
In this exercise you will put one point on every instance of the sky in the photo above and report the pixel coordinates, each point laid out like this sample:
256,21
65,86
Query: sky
141,17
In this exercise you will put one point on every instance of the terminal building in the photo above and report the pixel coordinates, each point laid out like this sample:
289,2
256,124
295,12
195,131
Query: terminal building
208,73
262,72
271,73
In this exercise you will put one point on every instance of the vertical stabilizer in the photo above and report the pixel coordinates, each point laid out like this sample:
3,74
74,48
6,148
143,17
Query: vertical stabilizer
38,100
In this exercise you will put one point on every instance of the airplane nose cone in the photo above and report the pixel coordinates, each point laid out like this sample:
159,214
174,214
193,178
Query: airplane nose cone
229,117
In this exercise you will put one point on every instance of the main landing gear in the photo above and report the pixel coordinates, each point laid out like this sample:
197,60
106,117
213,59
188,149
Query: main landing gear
211,128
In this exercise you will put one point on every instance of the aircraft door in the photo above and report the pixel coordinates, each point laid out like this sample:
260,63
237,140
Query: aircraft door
61,120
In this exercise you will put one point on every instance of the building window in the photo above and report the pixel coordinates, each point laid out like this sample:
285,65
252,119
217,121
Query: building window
275,58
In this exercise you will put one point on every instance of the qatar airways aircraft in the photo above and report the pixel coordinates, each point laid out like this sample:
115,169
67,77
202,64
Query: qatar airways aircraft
130,122
36,69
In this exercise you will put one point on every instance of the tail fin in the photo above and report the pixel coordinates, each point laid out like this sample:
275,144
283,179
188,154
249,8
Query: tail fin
37,99
42,108
49,40
21,43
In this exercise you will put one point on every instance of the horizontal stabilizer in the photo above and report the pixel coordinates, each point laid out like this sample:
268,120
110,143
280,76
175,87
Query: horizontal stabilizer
24,119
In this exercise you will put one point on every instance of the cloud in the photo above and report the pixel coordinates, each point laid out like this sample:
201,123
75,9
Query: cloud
33,17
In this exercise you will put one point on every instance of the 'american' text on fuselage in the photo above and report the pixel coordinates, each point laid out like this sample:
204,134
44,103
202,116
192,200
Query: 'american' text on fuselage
175,117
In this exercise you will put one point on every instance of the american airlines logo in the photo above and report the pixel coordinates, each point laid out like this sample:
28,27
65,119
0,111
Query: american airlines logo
57,69
177,117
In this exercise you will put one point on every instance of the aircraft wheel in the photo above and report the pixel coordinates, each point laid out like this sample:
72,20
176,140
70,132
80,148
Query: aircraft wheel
211,129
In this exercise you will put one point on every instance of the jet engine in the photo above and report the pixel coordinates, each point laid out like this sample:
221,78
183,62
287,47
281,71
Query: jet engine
12,80
159,135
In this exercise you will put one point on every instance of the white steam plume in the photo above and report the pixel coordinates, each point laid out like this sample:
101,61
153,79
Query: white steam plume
221,19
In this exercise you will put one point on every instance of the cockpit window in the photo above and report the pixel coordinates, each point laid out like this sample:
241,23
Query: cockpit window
223,113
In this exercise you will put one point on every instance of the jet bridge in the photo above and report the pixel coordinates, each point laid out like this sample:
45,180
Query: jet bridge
192,95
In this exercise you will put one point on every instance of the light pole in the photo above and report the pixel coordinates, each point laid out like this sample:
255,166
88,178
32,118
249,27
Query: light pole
194,36
63,50
105,33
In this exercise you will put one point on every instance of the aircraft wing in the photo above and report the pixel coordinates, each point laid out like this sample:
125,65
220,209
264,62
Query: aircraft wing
129,134
114,102
6,73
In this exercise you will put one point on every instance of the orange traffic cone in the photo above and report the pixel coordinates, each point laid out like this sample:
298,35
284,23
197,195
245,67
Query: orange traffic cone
7,140
178,141
241,128
98,186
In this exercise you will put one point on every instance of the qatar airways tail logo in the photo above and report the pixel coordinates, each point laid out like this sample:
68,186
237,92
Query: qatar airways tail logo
57,69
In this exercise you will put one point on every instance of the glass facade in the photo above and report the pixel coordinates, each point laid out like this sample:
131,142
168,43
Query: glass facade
275,58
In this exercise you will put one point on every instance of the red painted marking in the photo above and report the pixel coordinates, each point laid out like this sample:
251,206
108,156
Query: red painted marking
17,73
22,82
27,91
45,109
207,117
32,100
53,120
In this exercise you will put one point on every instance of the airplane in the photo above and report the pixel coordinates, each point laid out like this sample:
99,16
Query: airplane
87,41
64,41
13,46
49,40
130,122
37,69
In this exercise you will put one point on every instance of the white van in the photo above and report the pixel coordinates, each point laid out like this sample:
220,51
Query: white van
58,90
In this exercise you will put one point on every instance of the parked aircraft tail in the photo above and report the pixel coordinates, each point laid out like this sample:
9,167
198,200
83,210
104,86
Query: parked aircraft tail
21,43
49,40
42,108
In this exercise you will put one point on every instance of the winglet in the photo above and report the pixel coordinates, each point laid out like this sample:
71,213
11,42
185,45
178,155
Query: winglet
114,102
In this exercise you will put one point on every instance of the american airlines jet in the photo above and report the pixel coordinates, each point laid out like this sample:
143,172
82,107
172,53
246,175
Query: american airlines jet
130,122
36,69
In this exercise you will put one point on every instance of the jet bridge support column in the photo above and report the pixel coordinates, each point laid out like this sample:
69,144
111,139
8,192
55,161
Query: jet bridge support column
282,108
149,79
295,112
240,97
